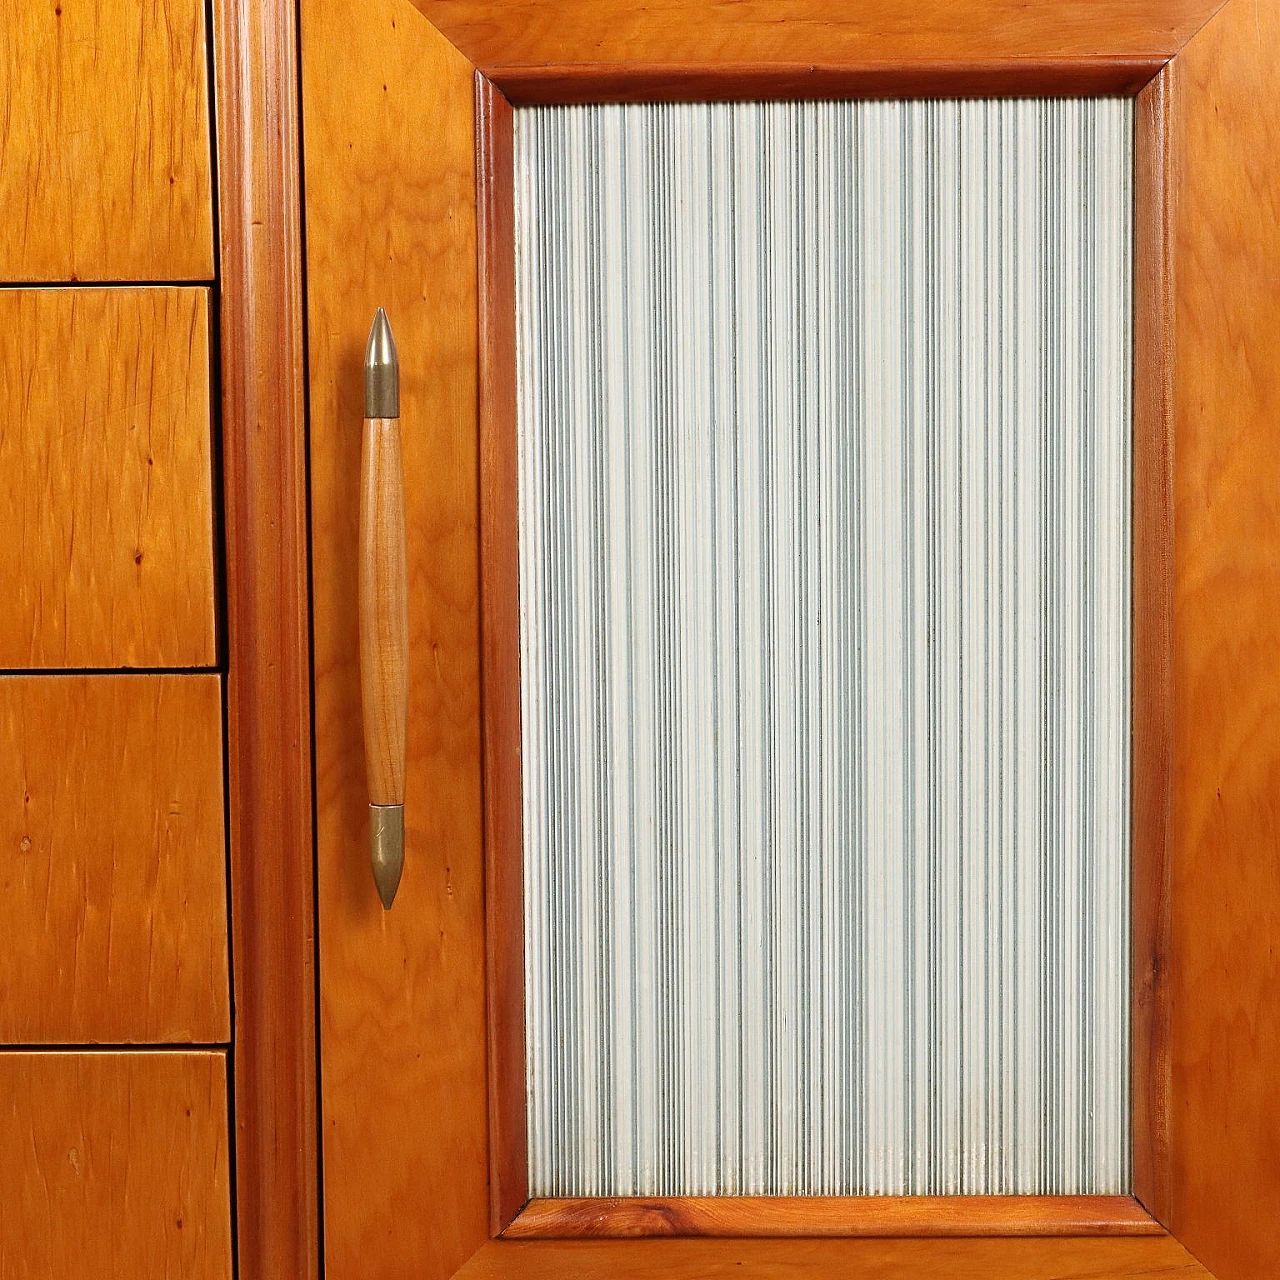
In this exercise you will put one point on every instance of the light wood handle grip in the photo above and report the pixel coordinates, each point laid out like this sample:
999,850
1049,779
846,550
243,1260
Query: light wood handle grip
384,611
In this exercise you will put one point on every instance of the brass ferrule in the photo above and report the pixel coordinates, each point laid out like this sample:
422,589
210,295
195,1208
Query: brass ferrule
381,371
386,849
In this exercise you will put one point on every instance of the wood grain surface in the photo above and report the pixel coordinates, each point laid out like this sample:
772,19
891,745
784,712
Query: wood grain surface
505,38
114,1166
104,141
106,491
1225,979
113,900
1152,690
269,759
390,184
500,641
744,1217
1147,1258
384,611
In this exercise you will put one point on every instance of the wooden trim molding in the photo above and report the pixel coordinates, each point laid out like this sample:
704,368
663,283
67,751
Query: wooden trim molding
268,638
1095,1258
1151,708
500,656
629,82
1152,691
758,1217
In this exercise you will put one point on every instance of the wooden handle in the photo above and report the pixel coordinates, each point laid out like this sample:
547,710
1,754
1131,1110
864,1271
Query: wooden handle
384,611
384,642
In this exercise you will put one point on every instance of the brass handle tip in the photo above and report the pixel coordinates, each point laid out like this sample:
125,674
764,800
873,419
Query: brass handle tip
381,371
386,849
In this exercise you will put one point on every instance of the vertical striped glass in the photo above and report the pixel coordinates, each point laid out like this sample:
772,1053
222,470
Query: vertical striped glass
824,431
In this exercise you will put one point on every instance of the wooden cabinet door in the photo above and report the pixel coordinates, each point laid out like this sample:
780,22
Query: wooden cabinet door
408,206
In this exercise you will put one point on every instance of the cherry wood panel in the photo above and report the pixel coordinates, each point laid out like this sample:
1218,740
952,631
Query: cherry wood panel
790,1216
113,882
104,141
106,491
390,185
114,1165
1225,979
1149,1258
1152,815
268,636
500,639
506,38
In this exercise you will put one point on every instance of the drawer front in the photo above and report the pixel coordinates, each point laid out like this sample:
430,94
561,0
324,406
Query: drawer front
114,1165
112,885
104,147
105,478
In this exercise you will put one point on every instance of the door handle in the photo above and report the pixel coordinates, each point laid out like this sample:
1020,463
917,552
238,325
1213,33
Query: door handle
384,608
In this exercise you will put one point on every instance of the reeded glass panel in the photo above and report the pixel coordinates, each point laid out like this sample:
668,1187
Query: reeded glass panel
824,515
